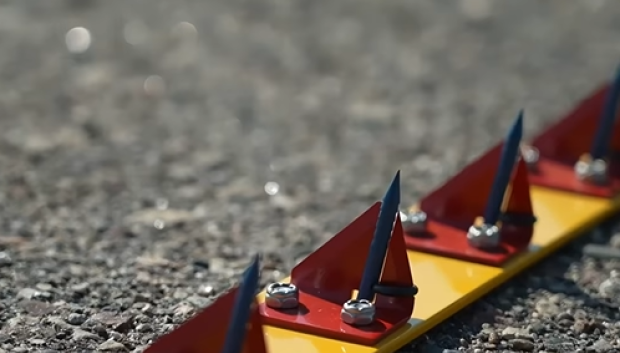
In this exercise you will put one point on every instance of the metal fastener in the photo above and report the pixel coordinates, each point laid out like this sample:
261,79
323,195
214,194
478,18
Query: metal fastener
358,312
282,296
531,155
591,170
413,221
484,236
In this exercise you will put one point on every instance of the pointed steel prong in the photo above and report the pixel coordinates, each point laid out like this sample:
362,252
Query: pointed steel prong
380,241
604,131
235,336
510,152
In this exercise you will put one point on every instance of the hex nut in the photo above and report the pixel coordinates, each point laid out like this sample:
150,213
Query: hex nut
594,171
531,155
485,236
282,296
414,221
358,312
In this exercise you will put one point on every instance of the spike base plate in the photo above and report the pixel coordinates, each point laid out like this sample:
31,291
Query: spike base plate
329,277
561,145
322,318
561,176
451,241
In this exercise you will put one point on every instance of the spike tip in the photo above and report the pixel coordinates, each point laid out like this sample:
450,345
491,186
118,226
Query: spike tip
381,240
235,336
508,157
602,137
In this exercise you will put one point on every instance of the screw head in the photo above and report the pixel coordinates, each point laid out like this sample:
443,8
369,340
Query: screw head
358,312
282,296
593,171
483,236
414,221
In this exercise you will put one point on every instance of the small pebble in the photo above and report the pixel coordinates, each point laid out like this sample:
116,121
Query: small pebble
610,288
111,345
522,345
5,259
76,319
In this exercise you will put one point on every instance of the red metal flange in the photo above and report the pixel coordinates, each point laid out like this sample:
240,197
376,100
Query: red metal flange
454,207
327,278
206,332
564,143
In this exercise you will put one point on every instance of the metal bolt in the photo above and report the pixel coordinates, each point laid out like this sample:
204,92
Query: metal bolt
282,296
358,312
483,236
531,155
591,170
414,221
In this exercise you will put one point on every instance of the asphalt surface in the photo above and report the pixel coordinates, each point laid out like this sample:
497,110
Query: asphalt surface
146,156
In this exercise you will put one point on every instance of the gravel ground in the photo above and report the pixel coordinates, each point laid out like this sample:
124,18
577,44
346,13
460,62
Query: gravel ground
142,165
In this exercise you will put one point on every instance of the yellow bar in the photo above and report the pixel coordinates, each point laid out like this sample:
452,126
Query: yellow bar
448,285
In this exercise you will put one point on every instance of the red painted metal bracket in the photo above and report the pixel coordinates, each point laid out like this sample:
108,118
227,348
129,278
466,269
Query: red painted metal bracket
564,143
454,207
328,277
206,332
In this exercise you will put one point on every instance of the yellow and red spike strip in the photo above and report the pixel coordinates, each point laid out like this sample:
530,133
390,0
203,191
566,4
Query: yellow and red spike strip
548,203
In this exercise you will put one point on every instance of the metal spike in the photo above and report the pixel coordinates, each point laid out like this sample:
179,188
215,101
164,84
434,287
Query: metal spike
235,336
509,155
602,137
381,240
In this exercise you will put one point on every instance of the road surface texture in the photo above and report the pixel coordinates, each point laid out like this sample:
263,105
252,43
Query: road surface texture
146,156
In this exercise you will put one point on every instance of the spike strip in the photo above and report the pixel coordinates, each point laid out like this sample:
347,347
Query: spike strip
573,137
564,210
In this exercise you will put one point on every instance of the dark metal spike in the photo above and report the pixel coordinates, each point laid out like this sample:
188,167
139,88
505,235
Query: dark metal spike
510,152
380,241
235,336
604,131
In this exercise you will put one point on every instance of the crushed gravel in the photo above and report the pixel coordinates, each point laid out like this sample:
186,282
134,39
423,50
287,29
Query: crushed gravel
149,147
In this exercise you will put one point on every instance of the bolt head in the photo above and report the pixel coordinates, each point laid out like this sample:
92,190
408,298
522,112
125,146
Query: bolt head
282,296
358,312
413,221
484,236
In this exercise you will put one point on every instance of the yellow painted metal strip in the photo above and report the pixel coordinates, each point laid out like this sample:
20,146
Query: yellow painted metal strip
449,285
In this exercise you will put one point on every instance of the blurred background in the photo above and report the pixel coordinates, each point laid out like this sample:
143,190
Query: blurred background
149,147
